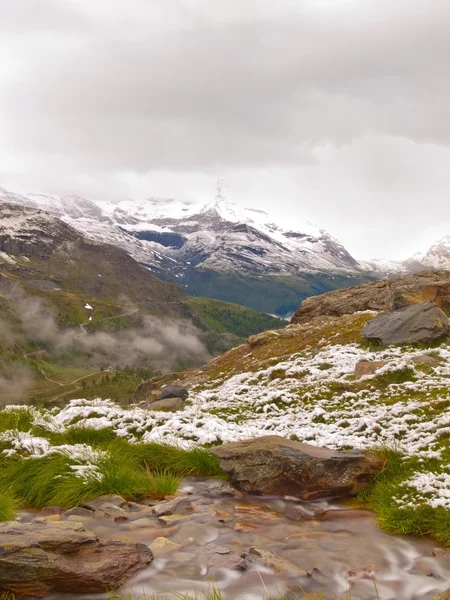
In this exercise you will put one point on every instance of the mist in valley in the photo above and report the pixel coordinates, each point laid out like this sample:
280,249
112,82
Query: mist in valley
154,343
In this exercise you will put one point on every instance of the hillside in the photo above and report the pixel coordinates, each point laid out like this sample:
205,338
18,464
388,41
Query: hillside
72,307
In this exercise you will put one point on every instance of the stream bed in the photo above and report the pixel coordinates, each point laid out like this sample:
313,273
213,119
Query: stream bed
343,552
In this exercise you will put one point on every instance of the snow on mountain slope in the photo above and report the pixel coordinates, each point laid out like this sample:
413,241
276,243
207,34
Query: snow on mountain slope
438,256
219,250
218,236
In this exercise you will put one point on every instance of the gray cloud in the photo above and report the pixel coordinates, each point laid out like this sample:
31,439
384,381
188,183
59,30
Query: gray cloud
104,95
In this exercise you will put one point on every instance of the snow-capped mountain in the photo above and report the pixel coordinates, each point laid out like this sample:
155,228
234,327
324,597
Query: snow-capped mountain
218,249
438,256
219,235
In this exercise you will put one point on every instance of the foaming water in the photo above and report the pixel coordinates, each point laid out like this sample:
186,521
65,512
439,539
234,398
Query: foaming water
342,550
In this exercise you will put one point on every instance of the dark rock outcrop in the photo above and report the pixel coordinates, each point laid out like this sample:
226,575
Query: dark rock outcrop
417,323
43,557
380,296
276,466
173,391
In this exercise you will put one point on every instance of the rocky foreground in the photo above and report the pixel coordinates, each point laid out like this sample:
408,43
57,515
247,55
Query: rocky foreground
211,531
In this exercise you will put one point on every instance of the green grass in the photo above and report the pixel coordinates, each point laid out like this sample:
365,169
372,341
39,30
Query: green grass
182,463
388,485
398,376
8,505
97,438
225,317
133,471
20,419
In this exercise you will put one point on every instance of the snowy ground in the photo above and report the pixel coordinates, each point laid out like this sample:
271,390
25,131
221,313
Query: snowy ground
312,397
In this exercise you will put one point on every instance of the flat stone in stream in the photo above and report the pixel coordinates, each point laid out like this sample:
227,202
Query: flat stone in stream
77,512
96,503
273,465
179,506
40,558
277,563
221,557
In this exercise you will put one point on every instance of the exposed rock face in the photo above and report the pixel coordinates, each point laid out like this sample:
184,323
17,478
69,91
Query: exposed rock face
168,404
380,296
42,557
417,323
179,506
274,465
173,391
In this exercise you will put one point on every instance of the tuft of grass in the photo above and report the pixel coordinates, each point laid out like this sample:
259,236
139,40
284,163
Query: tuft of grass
399,376
20,419
90,435
8,505
179,462
388,485
34,481
161,484
54,480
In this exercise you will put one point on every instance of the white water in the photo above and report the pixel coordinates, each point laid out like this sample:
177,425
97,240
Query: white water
344,551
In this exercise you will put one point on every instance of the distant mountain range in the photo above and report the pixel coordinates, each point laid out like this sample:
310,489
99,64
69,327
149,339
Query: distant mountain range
223,251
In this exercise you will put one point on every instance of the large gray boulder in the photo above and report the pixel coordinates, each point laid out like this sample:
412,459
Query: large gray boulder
43,557
423,322
173,391
276,466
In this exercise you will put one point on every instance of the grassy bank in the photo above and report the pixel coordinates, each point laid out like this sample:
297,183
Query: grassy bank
66,469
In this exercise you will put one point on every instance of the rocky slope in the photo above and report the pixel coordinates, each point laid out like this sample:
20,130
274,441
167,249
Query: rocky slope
217,250
379,296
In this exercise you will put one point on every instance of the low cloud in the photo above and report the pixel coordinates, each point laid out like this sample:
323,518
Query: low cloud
151,342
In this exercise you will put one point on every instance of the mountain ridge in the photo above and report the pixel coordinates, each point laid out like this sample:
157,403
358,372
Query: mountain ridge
216,249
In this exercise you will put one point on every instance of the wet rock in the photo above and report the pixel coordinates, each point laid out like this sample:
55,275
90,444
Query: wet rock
275,466
248,527
221,557
417,323
277,563
345,513
162,545
51,510
366,367
178,506
140,523
38,559
107,510
256,512
136,507
367,572
173,519
77,512
222,489
96,503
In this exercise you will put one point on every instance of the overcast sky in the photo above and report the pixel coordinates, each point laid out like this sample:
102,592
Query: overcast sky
332,111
